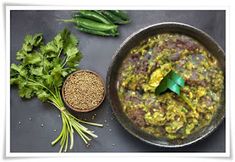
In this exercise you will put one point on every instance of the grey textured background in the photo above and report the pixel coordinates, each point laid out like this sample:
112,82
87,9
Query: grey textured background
28,136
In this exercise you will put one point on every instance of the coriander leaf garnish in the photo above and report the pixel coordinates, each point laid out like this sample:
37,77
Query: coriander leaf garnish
41,72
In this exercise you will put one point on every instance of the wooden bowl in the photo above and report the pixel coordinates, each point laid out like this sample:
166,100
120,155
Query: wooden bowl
82,110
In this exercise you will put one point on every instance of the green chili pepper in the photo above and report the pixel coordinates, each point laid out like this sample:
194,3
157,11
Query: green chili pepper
95,32
98,22
92,15
120,14
90,24
115,19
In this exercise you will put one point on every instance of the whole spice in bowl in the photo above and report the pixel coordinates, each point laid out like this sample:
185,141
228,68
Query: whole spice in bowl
83,91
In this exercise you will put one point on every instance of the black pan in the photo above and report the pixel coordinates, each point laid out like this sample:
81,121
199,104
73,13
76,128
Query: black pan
121,53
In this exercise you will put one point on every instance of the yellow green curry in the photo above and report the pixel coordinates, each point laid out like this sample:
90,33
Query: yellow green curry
168,114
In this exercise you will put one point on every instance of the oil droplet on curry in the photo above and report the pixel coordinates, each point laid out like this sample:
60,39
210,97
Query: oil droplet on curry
170,115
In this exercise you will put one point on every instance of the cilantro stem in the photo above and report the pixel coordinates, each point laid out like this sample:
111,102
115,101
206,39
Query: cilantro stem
37,83
40,73
66,60
69,123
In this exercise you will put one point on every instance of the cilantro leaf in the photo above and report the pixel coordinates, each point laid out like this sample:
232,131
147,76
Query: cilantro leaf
73,55
43,95
33,58
26,92
41,72
38,71
19,70
31,41
43,67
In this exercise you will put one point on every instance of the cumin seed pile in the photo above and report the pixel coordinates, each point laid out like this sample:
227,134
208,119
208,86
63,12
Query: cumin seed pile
83,90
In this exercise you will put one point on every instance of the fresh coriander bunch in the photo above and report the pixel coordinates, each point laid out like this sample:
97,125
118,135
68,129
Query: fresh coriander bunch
41,71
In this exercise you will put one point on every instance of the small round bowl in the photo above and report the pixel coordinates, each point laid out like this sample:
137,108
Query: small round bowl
83,110
121,54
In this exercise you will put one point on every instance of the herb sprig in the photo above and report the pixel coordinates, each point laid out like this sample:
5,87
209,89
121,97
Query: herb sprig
40,73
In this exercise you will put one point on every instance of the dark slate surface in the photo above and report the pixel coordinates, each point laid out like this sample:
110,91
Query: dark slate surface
29,136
